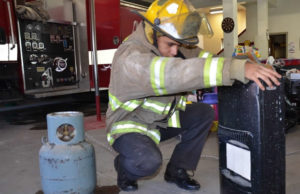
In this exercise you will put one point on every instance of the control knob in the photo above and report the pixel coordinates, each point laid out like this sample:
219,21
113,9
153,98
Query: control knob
60,64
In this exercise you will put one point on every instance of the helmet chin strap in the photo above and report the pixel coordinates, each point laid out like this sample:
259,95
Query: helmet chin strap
156,23
155,38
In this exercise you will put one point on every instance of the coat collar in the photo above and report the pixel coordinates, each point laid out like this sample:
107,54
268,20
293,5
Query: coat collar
140,35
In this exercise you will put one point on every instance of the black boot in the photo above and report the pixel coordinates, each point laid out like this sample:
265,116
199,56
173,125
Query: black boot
124,183
180,177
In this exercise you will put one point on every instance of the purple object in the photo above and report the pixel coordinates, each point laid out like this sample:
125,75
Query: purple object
210,98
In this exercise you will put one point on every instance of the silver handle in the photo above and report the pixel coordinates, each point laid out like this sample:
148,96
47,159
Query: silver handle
11,25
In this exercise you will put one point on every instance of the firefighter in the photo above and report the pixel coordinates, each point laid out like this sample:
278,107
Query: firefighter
151,73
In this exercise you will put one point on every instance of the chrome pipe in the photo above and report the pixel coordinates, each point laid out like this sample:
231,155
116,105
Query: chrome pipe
11,26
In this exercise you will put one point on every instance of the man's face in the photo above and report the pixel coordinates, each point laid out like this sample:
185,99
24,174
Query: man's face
167,47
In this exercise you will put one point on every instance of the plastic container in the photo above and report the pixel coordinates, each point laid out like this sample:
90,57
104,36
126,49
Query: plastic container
212,99
251,139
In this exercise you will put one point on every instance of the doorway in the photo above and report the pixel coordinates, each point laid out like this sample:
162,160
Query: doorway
277,45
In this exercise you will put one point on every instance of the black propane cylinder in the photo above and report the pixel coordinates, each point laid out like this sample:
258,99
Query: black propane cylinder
251,139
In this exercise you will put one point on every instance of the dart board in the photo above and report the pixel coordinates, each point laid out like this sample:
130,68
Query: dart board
227,25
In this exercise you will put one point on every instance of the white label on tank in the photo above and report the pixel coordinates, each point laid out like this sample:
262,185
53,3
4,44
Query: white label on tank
238,160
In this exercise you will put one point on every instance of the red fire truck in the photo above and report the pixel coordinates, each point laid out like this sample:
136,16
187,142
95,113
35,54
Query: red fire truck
45,47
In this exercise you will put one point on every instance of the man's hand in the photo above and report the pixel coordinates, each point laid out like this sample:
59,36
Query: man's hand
254,72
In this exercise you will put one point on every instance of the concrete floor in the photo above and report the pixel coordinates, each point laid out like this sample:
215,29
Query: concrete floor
19,162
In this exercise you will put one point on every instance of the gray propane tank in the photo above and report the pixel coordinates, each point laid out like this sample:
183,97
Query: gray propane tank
67,161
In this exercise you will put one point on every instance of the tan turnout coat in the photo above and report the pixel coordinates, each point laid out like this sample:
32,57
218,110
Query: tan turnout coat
147,90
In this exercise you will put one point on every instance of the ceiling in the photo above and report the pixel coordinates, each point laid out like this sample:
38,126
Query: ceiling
204,4
196,3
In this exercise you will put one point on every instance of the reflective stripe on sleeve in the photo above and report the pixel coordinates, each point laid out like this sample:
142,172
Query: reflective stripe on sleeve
174,120
113,102
129,105
132,127
182,103
204,54
220,71
157,107
157,75
213,71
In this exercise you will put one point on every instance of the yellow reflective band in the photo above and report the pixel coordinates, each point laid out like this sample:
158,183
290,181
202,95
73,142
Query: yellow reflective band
157,107
167,110
113,102
125,39
157,75
204,54
154,134
219,71
132,127
153,106
128,125
181,103
110,139
206,72
174,120
129,105
213,72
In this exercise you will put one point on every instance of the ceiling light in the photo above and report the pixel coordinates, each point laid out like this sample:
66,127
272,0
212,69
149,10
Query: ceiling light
215,11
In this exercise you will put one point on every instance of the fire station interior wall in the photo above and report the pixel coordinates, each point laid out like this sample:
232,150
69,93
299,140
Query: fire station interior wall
214,44
283,18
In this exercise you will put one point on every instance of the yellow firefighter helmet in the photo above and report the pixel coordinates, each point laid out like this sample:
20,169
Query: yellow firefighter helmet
178,20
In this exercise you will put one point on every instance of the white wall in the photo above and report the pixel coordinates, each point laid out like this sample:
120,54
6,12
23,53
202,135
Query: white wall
284,18
214,44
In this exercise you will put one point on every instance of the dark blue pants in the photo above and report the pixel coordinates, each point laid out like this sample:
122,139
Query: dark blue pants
139,156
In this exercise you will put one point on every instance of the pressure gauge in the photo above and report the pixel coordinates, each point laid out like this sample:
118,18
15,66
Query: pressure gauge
65,132
60,64
38,27
29,27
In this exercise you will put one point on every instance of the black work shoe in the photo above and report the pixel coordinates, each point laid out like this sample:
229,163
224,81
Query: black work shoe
180,177
124,183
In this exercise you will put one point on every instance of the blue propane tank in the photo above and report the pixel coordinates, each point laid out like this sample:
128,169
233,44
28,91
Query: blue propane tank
67,161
